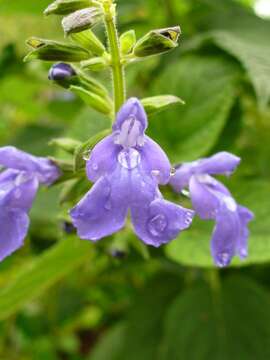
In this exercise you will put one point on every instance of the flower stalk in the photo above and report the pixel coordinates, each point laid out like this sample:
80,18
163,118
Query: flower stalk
119,86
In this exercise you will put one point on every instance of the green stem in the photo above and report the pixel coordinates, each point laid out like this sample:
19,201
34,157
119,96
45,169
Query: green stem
119,86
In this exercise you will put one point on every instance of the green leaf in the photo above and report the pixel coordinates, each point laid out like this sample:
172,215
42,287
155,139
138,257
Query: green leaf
208,86
87,124
253,55
95,101
110,344
43,272
139,335
86,147
243,35
192,247
156,104
232,322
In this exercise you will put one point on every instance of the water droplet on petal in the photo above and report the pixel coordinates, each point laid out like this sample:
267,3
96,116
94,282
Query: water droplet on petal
223,259
106,190
155,174
157,225
230,203
129,158
95,166
188,218
17,194
243,253
21,178
185,193
108,205
173,171
86,155
141,140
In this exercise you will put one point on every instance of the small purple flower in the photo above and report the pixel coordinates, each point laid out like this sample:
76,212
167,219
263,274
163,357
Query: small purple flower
127,167
212,200
18,186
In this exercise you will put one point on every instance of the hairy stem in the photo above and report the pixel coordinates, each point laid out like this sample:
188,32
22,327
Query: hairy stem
119,87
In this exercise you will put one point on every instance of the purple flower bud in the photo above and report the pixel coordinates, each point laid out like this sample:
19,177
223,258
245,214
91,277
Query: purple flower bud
61,71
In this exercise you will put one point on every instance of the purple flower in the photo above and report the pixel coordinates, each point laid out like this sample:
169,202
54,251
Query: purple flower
127,167
18,186
212,200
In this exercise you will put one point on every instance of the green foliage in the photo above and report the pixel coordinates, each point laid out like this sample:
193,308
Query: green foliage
219,324
42,273
62,298
208,86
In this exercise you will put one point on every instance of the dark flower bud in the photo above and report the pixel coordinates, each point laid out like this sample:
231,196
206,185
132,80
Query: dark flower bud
118,254
61,71
157,42
81,20
65,7
68,227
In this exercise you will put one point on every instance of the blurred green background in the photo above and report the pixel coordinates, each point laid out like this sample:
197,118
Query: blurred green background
62,298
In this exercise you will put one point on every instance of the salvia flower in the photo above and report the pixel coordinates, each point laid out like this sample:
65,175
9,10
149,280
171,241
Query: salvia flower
127,167
212,200
18,186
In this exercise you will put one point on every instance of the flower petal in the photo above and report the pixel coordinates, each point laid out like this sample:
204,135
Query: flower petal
205,202
220,163
103,159
17,189
104,208
131,109
155,220
12,158
14,225
225,236
154,161
245,216
181,178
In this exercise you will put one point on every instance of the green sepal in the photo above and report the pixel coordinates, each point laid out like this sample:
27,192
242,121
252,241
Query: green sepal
127,42
65,7
79,161
81,20
63,165
73,190
66,144
98,103
95,64
156,104
89,41
157,41
50,50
